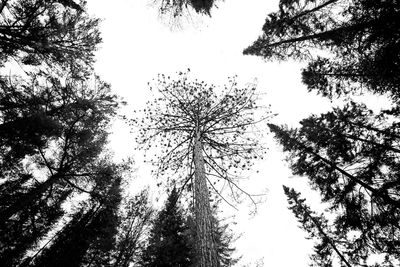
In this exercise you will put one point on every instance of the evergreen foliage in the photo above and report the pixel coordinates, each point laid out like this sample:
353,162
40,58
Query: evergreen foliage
176,8
89,236
169,245
349,154
55,32
328,245
172,241
361,36
53,132
223,238
54,122
354,167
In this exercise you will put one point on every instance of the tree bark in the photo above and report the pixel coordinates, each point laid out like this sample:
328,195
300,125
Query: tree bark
205,245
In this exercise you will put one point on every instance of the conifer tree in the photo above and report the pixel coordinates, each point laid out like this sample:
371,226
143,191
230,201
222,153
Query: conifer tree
353,164
61,161
317,227
172,241
169,243
53,128
89,236
207,135
55,32
361,36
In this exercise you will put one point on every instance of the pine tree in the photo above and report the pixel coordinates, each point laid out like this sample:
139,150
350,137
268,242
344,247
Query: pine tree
168,241
361,36
88,238
172,241
55,32
349,156
206,135
61,160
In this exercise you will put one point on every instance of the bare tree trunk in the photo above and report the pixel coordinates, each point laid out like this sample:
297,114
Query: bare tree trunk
205,245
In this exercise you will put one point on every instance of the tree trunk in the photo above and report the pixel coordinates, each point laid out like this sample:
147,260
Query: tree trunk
326,35
325,235
205,245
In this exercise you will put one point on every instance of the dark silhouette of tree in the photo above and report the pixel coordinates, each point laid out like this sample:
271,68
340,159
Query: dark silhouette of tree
169,243
135,222
89,236
172,241
317,228
176,8
54,124
362,37
206,135
37,31
41,169
224,240
32,223
177,13
350,156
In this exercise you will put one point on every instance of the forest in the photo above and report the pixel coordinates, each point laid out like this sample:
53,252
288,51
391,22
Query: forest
196,142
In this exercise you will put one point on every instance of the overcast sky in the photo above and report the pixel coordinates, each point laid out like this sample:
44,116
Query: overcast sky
137,46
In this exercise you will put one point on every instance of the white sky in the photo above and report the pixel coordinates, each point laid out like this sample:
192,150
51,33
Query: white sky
137,46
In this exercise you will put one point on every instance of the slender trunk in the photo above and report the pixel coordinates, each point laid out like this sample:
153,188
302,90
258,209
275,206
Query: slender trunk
326,34
312,10
206,250
358,138
382,195
371,128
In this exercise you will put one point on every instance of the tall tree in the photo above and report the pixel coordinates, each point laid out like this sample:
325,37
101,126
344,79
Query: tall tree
362,37
41,169
350,156
36,31
89,236
205,134
172,241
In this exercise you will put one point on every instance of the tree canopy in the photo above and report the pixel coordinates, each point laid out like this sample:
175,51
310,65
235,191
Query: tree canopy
226,123
353,164
54,32
172,240
205,136
360,36
53,134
